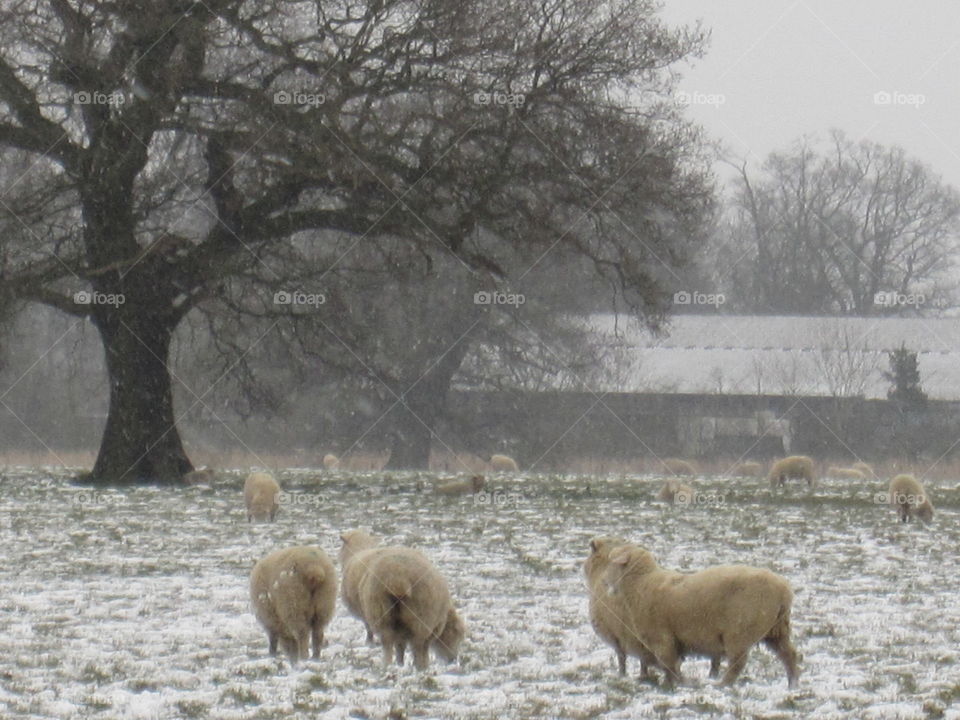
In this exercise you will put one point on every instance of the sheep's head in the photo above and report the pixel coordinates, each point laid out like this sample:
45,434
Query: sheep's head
925,511
599,558
447,643
628,559
353,542
477,482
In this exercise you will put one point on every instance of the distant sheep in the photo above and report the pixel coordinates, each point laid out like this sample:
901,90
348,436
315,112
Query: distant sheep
794,467
674,491
260,493
200,476
841,473
503,463
675,466
748,468
461,487
401,597
865,468
720,612
908,497
331,461
294,592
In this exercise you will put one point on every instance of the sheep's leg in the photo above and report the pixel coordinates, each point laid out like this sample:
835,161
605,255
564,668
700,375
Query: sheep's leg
788,656
317,632
421,655
669,659
738,661
292,648
715,666
370,639
401,650
621,660
387,651
272,638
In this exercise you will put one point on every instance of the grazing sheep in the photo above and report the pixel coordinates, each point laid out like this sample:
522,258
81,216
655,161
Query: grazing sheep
674,491
200,476
503,463
795,466
865,468
748,468
260,492
908,496
841,473
718,612
331,461
461,487
679,467
294,591
401,597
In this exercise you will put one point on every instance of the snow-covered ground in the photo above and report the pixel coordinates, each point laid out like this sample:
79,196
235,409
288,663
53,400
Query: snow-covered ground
134,603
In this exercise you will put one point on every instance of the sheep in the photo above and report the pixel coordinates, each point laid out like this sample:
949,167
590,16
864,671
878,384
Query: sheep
674,491
260,493
842,473
503,463
865,468
331,461
748,468
908,497
399,595
461,487
718,612
200,476
679,467
795,466
294,591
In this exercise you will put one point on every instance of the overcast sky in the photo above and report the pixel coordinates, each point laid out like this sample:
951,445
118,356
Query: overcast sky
778,69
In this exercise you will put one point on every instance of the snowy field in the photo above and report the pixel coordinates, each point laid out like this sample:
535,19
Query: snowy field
134,603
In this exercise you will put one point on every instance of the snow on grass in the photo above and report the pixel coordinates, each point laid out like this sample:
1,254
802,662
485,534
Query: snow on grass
134,603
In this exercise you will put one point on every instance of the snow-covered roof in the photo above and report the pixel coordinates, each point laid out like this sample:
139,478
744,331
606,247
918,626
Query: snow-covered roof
775,355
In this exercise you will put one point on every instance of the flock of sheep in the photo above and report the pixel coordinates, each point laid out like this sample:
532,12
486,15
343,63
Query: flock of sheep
637,607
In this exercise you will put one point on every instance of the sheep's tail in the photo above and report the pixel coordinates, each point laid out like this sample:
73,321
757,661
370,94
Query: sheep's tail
781,626
313,576
397,588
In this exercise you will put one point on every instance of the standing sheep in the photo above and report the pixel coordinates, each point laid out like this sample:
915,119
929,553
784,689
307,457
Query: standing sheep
401,597
908,497
503,463
260,493
748,468
294,591
675,466
461,487
793,467
718,612
331,461
674,491
842,473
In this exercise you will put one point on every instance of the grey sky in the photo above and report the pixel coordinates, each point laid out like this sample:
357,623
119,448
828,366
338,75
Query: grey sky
785,68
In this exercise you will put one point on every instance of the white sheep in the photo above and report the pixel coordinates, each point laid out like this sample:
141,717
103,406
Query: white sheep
461,487
260,492
908,496
503,463
331,461
294,591
719,612
795,466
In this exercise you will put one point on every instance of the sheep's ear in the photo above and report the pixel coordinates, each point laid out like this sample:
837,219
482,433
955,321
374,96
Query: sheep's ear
593,545
620,556
343,536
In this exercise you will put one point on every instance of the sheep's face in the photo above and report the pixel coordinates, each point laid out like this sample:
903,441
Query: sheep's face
925,511
448,642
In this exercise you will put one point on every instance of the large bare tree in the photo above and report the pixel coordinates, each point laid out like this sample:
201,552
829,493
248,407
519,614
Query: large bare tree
198,155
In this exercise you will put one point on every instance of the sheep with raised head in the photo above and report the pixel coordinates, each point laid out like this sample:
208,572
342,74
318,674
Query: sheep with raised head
401,597
294,591
461,487
908,496
331,461
842,473
720,612
503,463
200,476
674,491
675,466
260,492
795,467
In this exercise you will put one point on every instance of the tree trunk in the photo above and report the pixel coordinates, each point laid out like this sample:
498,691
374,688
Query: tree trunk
141,443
